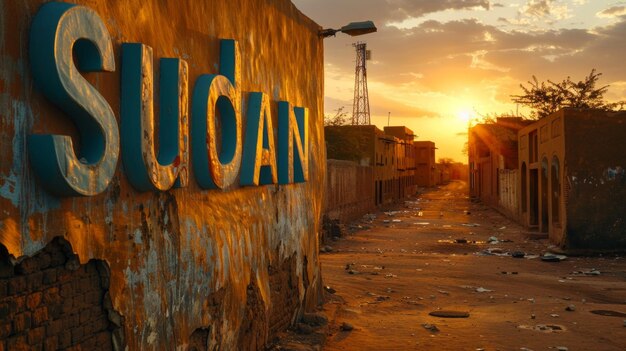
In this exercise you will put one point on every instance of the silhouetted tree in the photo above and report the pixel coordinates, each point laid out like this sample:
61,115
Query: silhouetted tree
548,97
340,118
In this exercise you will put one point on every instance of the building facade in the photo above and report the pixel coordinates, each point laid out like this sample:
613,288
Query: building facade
389,153
493,162
425,163
572,180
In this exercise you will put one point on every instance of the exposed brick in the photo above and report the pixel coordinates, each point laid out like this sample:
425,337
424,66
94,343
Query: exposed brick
22,322
40,316
17,285
79,302
72,321
85,315
50,276
5,311
5,330
34,281
63,275
65,339
67,305
78,334
51,296
86,285
102,323
67,290
55,311
51,344
34,300
27,266
57,259
17,343
4,288
54,328
94,297
104,341
36,335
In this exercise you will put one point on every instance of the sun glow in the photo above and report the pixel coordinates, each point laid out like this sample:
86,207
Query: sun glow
464,116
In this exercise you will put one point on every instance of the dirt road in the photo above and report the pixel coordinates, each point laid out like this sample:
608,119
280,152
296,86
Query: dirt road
404,264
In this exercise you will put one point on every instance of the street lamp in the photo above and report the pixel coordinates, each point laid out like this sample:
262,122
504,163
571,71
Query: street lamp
353,29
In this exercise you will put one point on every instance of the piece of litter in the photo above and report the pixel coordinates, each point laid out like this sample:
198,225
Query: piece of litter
482,290
450,314
430,327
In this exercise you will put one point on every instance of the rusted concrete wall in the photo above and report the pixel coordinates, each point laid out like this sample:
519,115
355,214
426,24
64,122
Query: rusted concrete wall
220,263
349,190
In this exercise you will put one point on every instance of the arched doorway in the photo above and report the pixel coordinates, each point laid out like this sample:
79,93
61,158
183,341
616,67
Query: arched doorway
555,182
524,189
544,195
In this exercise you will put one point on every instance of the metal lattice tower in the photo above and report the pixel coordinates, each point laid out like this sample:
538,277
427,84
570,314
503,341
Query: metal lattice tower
361,104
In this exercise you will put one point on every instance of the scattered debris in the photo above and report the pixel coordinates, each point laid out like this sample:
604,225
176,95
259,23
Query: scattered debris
518,254
492,240
609,313
326,248
430,327
561,348
592,271
443,292
513,273
421,223
550,257
554,315
329,289
544,328
396,220
346,326
570,308
482,290
461,241
532,316
471,224
352,271
449,314
390,275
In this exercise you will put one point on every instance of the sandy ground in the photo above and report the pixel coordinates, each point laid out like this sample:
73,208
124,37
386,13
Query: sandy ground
390,274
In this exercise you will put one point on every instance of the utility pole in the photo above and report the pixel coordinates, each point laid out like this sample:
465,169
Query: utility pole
361,104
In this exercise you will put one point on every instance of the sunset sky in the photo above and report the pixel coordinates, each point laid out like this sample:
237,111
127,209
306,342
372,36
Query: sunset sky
434,61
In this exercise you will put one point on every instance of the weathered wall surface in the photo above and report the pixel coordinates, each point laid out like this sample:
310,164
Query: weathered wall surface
225,267
509,199
349,190
595,163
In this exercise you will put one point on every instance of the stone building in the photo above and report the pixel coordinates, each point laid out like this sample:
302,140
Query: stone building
573,180
493,162
129,228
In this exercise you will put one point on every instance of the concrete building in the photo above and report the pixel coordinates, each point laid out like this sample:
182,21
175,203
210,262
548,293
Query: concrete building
572,180
493,162
389,153
405,160
211,245
425,163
